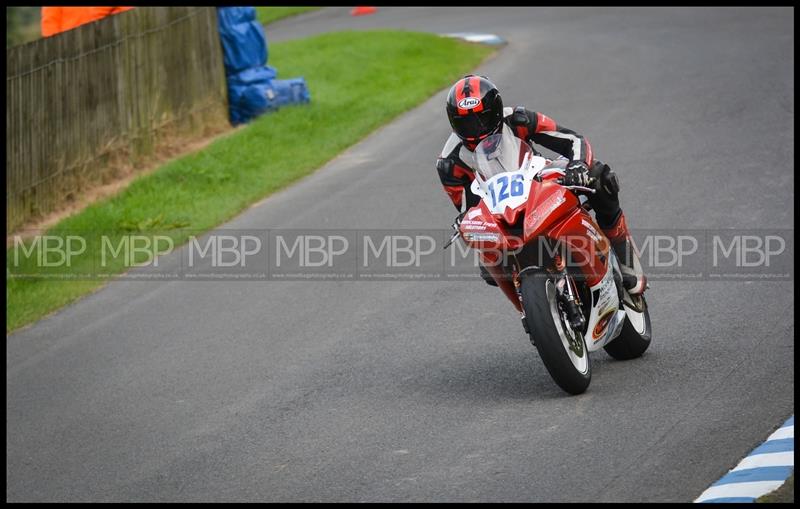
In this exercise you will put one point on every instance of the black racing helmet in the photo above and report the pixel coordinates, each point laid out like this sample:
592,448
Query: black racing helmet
474,108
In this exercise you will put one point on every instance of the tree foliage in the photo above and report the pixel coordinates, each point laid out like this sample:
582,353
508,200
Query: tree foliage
22,25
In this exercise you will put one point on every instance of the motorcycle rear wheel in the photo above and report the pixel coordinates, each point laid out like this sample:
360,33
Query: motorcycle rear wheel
563,351
636,332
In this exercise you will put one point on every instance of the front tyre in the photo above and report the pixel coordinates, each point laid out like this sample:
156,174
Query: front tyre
562,350
636,331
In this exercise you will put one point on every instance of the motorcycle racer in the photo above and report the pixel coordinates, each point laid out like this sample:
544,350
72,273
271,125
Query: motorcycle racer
475,110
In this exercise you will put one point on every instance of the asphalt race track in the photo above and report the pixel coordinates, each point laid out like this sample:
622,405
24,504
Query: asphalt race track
429,390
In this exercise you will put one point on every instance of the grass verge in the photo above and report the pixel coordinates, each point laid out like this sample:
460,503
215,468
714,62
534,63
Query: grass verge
267,15
358,82
783,495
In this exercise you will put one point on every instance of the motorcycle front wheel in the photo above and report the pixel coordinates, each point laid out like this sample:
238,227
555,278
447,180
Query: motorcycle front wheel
562,349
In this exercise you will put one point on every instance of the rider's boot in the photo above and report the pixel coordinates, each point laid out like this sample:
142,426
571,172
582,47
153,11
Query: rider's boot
633,278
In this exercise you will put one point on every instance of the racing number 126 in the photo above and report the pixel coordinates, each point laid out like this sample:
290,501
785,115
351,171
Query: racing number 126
506,191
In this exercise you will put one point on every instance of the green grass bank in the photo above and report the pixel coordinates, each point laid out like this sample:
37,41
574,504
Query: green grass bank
353,78
267,15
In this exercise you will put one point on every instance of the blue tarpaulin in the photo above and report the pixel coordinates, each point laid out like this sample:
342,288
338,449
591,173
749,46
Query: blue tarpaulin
252,87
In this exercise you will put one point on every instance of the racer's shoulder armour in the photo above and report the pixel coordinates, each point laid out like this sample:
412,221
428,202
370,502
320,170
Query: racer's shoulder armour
451,146
519,117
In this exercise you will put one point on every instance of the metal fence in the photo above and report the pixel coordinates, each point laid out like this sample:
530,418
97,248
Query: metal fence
84,103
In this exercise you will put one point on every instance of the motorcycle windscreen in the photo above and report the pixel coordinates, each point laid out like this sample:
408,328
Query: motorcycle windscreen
501,153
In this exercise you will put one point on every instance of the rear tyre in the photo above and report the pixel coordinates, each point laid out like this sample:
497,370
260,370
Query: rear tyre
562,350
636,332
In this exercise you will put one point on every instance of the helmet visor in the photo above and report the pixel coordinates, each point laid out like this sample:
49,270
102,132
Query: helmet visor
474,125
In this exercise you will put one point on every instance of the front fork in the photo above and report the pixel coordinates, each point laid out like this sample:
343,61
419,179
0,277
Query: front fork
566,293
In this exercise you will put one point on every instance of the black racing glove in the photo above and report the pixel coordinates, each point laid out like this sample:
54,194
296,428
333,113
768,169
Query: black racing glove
577,174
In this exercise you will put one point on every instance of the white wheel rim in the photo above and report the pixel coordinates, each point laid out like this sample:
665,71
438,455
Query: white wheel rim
580,363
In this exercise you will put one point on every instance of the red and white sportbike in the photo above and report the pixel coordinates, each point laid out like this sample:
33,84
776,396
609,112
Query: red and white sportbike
551,259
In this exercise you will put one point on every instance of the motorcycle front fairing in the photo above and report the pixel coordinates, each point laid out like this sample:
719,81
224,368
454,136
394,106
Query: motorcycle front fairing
482,231
549,210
